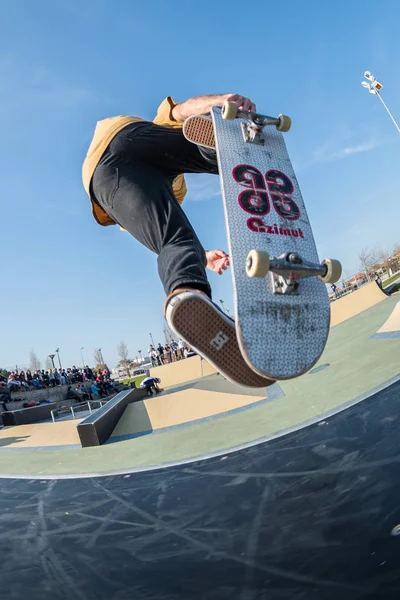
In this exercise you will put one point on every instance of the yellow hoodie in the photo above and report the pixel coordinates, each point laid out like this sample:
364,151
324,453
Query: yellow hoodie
105,131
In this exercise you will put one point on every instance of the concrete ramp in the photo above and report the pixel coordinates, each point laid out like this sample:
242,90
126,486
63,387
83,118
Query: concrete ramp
181,371
353,304
393,322
205,399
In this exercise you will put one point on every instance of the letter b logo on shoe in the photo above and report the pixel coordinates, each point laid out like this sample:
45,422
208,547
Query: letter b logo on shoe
219,340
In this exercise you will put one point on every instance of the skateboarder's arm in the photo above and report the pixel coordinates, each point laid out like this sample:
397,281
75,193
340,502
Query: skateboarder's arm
202,105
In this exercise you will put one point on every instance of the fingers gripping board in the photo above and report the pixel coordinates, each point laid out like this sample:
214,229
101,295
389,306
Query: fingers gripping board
281,336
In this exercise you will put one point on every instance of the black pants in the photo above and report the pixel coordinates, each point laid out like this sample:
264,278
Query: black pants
133,183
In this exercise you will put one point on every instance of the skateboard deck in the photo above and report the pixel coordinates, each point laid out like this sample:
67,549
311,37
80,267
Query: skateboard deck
281,332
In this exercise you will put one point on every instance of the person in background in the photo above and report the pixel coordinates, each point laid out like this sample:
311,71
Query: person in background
160,350
61,374
150,384
52,379
96,390
37,380
89,373
83,392
23,381
174,349
13,382
72,395
57,377
189,352
181,347
167,352
45,379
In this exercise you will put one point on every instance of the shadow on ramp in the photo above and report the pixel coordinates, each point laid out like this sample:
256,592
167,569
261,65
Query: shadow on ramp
312,514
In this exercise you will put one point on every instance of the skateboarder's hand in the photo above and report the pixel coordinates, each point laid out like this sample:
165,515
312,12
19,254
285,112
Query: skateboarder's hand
217,261
242,102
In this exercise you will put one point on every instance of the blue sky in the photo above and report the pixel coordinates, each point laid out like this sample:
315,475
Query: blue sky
64,64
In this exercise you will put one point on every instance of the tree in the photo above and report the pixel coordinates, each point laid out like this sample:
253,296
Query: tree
4,372
384,259
34,362
395,262
98,359
368,259
123,352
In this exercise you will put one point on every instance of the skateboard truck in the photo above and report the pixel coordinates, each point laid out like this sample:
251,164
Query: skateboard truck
288,269
252,129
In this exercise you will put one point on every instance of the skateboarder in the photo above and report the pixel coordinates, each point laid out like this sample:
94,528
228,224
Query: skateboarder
133,174
150,384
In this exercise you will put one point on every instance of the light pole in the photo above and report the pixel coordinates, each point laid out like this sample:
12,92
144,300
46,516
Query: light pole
83,362
58,356
140,354
152,341
165,335
101,357
226,311
51,356
374,87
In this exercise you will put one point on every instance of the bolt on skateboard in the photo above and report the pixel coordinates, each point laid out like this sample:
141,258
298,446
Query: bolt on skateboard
282,309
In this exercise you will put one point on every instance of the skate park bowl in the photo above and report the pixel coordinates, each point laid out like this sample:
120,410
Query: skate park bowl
208,490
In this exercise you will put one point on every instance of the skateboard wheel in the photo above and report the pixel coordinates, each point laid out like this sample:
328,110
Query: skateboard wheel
285,123
333,271
257,264
229,111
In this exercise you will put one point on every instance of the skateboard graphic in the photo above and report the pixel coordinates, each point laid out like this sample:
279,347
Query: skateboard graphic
281,303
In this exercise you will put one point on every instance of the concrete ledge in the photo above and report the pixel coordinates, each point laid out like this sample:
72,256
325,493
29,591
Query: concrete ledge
97,428
24,416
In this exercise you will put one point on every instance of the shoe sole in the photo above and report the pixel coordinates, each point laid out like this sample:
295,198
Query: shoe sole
200,130
213,336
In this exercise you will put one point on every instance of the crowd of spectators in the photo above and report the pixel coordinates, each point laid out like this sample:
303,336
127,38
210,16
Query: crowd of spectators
100,382
39,379
168,353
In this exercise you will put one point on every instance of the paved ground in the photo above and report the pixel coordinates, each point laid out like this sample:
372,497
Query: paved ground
310,515
357,364
295,493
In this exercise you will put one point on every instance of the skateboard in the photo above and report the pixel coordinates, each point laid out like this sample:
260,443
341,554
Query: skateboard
281,302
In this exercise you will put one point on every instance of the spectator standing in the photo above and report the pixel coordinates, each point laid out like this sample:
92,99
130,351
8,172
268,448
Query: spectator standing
167,352
160,350
181,346
154,356
174,349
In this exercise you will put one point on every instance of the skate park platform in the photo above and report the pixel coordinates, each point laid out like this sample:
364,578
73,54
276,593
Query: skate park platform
211,491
